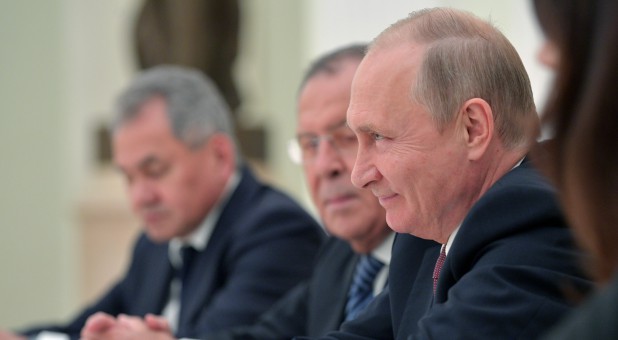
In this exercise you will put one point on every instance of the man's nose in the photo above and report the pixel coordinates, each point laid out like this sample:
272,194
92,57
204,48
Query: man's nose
141,193
363,172
328,159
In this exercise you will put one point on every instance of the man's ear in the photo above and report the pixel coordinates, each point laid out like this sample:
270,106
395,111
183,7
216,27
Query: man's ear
223,151
478,126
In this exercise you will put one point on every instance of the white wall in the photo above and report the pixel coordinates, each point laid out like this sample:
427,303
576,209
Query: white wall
63,62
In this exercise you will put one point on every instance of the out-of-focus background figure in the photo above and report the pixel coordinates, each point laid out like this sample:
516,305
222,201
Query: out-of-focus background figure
211,254
582,49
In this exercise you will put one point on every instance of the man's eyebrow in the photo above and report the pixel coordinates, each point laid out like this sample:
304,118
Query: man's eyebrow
330,127
366,128
142,165
147,161
337,125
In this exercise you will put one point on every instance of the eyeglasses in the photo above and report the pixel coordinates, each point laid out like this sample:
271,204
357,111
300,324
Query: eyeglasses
304,148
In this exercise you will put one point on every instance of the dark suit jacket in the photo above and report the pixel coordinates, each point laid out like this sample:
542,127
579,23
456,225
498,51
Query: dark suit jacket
313,307
504,277
262,245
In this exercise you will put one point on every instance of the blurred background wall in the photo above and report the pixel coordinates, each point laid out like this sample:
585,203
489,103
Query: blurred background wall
65,227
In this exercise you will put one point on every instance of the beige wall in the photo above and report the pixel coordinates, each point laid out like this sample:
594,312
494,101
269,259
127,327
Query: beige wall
62,63
36,230
60,66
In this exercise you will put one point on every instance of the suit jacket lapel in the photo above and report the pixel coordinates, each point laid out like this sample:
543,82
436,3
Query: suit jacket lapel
204,276
201,283
410,281
155,289
337,293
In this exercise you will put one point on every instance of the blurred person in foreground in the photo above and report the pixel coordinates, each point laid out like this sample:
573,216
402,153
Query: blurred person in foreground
326,148
443,111
581,159
219,247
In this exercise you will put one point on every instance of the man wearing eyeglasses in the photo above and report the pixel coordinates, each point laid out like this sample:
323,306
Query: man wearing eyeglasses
357,257
326,148
353,265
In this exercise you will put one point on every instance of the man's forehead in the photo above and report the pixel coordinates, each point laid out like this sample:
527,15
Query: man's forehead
383,72
393,57
326,112
334,124
136,158
357,118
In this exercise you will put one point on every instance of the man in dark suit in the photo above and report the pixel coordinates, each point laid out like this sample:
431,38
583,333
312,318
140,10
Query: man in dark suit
444,115
219,246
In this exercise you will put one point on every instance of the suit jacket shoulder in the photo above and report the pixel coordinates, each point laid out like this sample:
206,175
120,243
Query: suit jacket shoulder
508,268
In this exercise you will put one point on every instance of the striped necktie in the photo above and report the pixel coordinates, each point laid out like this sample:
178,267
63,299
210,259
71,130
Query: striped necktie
361,290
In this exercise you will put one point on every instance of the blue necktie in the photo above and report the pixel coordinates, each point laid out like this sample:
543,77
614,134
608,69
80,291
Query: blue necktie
361,290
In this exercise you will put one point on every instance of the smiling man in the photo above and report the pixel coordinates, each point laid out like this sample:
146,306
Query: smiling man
443,111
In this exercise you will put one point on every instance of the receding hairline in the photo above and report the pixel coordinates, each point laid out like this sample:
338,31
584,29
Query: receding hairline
419,27
443,31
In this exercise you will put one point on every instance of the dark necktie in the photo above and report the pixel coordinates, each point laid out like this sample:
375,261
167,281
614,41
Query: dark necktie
361,290
438,268
188,255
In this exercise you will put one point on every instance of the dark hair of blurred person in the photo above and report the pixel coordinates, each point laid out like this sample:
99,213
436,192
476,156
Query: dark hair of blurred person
582,159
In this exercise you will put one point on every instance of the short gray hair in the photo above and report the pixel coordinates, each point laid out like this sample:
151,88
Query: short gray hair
466,58
195,108
330,63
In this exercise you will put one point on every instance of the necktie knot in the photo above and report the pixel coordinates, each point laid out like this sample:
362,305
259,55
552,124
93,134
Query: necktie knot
361,290
187,255
438,268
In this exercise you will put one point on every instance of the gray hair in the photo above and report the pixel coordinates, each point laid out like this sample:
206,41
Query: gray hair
330,62
195,108
466,58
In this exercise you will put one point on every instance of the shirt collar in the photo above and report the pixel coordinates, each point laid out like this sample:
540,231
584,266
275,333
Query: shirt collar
199,238
518,163
383,251
451,237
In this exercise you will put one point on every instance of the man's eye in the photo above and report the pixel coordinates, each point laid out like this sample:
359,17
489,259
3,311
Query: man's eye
156,171
308,143
376,136
345,139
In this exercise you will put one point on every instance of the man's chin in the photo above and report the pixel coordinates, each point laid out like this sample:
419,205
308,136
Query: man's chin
396,224
157,234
